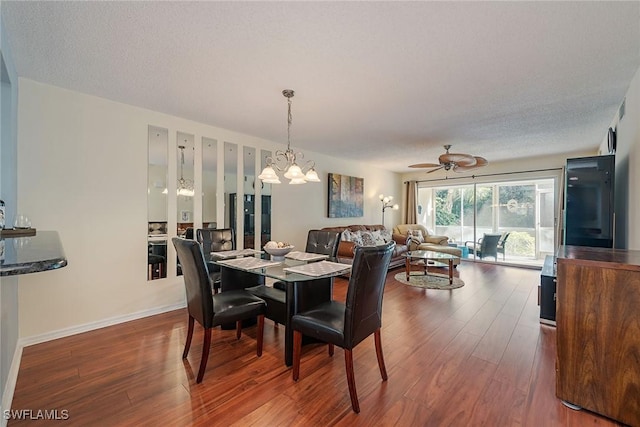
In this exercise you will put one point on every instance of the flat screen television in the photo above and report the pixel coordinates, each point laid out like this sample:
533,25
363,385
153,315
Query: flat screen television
589,216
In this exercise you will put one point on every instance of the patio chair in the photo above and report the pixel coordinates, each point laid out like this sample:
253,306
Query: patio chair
486,246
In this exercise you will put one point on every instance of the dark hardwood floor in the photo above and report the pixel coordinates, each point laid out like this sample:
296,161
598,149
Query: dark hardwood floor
472,356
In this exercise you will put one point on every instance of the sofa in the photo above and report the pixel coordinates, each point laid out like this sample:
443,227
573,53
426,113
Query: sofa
347,245
431,242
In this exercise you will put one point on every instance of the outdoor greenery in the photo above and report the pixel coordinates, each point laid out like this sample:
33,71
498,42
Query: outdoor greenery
454,206
450,201
521,243
516,204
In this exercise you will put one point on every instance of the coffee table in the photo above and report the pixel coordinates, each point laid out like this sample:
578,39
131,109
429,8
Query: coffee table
430,258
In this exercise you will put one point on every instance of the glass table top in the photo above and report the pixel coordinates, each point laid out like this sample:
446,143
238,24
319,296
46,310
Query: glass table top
432,255
288,270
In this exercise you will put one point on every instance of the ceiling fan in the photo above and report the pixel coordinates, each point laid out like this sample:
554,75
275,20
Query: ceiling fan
456,161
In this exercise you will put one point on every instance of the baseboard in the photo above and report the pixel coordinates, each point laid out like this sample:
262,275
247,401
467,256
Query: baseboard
61,333
10,385
7,395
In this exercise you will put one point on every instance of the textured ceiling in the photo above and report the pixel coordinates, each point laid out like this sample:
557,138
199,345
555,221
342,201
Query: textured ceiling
384,82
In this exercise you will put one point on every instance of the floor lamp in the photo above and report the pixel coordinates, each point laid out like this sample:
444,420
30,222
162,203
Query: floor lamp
386,204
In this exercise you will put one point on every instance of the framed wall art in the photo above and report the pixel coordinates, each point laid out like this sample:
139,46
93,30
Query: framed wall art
346,196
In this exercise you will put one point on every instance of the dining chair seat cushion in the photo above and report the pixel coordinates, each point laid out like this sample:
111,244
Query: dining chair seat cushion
324,322
276,302
230,306
263,291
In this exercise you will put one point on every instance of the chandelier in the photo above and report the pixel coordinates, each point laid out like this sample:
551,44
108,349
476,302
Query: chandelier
185,186
287,160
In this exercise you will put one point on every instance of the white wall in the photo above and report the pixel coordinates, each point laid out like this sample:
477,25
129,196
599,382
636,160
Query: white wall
629,136
627,178
9,316
82,170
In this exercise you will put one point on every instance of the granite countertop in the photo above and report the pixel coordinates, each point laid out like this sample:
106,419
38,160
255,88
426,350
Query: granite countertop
23,255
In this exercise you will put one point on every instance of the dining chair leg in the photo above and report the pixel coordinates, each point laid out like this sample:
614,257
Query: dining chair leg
205,354
260,334
238,329
331,349
351,380
378,340
297,349
187,343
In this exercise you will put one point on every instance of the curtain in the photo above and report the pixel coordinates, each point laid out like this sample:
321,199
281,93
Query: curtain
410,211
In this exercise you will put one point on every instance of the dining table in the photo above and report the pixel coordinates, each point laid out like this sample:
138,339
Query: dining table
308,282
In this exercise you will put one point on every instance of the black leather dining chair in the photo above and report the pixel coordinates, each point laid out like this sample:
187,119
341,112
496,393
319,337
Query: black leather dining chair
319,242
215,240
211,310
346,325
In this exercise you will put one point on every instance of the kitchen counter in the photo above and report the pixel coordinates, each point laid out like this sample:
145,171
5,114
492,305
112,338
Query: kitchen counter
24,255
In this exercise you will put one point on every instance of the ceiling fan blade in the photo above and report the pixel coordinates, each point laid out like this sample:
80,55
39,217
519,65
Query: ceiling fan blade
425,165
455,158
433,170
479,162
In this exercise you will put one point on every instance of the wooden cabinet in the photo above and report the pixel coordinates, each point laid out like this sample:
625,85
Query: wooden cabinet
598,331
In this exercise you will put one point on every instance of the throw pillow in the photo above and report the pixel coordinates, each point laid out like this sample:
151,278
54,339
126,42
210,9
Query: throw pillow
352,236
416,236
377,237
367,238
386,235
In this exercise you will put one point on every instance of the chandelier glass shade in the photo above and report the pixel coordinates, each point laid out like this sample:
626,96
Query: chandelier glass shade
185,186
287,161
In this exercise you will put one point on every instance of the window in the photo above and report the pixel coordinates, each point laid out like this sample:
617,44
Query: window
524,209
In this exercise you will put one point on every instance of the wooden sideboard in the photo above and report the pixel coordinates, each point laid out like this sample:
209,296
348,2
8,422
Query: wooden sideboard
598,331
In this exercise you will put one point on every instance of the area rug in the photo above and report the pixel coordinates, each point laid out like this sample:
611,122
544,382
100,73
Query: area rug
430,281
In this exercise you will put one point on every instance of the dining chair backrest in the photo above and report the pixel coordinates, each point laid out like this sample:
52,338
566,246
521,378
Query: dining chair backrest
196,280
188,234
216,240
363,314
323,242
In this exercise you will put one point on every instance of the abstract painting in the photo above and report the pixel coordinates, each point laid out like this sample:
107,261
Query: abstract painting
346,196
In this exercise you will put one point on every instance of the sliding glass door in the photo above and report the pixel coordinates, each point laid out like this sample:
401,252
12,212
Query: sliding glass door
521,212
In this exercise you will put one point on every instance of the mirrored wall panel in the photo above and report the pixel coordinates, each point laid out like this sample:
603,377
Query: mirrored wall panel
266,201
230,186
157,211
249,208
184,187
209,182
